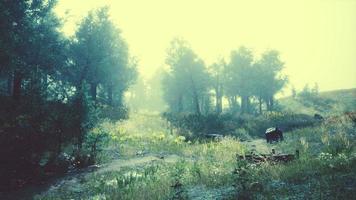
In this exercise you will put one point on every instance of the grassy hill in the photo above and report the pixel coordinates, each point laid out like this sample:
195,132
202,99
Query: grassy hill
326,103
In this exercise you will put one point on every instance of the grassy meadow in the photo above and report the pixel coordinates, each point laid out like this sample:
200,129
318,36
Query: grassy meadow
144,160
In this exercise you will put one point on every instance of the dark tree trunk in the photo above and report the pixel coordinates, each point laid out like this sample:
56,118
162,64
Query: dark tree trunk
180,103
205,104
233,103
44,84
243,104
16,91
230,103
195,96
218,100
10,84
80,142
93,91
202,104
218,105
59,143
260,104
93,150
79,88
80,112
248,104
120,99
110,102
196,103
271,103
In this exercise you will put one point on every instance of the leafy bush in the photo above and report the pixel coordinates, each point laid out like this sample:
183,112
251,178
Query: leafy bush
97,139
198,126
113,113
34,133
30,129
242,134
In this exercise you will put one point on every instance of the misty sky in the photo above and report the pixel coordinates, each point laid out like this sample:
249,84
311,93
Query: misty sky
316,38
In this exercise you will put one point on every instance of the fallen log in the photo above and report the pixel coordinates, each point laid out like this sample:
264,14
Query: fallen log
274,158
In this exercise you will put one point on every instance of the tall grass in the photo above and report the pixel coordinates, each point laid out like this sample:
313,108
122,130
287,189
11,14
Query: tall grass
325,170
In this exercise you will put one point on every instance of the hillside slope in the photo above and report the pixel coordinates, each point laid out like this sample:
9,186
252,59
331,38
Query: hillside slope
327,103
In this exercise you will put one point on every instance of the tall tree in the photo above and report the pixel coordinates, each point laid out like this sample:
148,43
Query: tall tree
187,81
32,56
217,78
99,66
100,56
268,78
239,78
29,30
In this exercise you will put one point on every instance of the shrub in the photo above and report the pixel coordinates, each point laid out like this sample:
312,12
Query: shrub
198,126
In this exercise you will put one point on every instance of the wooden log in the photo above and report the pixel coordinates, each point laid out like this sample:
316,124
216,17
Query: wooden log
258,158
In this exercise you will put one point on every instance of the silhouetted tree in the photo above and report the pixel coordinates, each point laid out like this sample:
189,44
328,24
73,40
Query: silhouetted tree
186,83
100,57
268,78
217,79
50,78
239,78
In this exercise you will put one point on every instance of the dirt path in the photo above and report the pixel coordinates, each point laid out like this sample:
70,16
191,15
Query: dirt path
72,179
115,165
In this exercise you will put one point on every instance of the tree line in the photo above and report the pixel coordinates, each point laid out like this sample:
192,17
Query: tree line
55,89
249,85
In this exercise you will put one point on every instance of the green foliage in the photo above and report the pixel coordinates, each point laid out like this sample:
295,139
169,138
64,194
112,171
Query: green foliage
217,81
186,84
243,126
239,77
212,165
324,167
100,58
268,78
157,179
49,105
98,137
59,97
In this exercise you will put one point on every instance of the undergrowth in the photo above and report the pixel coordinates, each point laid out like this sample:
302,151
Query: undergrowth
325,169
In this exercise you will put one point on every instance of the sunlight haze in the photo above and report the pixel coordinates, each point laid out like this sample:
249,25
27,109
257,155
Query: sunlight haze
177,99
316,39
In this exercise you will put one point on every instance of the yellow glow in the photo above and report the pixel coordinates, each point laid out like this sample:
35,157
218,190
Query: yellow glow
316,38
